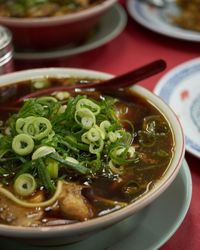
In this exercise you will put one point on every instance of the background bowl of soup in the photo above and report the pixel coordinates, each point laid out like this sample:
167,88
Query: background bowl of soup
44,25
131,177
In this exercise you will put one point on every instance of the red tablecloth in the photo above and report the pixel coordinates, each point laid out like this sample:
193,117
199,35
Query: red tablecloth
134,47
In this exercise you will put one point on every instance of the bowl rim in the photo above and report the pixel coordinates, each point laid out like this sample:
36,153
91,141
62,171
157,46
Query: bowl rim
118,215
56,20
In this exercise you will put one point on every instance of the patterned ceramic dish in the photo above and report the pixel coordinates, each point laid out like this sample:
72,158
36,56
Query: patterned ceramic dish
180,89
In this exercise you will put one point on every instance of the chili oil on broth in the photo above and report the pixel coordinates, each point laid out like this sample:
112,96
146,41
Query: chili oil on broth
106,191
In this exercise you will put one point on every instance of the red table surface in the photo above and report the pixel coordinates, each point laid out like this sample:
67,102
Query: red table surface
132,48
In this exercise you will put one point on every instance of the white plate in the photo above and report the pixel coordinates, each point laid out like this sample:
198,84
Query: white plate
158,222
180,88
108,28
159,19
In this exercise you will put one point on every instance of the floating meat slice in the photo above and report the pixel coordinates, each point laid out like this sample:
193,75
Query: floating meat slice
73,204
13,214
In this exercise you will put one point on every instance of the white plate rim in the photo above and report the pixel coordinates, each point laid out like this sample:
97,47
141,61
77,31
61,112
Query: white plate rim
134,8
117,9
191,147
188,198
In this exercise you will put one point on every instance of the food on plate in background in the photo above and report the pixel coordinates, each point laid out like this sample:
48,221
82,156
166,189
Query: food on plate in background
189,17
43,8
69,156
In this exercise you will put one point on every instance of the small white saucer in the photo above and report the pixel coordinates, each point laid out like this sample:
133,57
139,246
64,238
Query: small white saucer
157,223
108,28
180,88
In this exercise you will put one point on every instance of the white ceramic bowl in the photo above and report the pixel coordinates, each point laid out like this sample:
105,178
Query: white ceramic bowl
45,33
69,233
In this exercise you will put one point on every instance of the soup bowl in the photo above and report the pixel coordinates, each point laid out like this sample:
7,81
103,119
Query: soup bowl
65,234
45,33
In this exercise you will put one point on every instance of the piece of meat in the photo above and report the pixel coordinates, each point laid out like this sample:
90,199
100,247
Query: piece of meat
73,204
13,214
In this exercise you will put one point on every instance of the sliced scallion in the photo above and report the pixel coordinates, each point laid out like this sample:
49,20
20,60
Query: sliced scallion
22,144
75,166
25,185
42,151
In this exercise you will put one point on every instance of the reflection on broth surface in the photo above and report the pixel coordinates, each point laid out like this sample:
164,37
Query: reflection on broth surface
72,156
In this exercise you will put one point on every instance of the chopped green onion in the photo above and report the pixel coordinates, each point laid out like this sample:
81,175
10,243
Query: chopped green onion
25,184
22,144
84,138
25,167
46,99
120,150
19,125
93,135
73,143
62,109
40,83
67,142
21,122
36,127
75,166
52,167
86,103
96,148
84,112
115,169
61,95
42,127
104,125
44,175
155,124
71,159
120,155
42,151
102,133
87,122
112,136
147,139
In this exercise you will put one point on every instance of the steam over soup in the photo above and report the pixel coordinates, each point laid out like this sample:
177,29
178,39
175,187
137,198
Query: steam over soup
43,8
72,156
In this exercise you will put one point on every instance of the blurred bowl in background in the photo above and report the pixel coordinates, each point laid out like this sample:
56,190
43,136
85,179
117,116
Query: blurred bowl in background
43,33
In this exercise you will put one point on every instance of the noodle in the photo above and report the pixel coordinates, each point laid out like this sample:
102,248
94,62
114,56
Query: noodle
12,197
